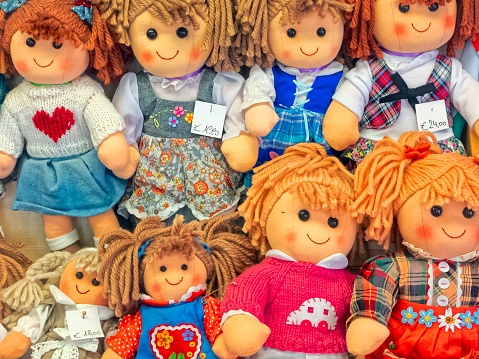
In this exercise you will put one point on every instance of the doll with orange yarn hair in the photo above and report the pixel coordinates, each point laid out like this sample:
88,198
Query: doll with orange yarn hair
401,68
422,300
72,134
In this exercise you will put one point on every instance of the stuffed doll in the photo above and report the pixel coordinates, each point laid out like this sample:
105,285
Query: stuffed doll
71,285
295,303
72,134
420,301
165,271
181,172
401,69
293,46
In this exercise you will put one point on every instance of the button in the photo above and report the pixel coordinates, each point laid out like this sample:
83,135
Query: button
442,300
443,266
444,283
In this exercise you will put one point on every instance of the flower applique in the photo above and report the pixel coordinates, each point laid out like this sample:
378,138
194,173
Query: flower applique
178,111
408,316
189,117
449,321
427,318
467,319
173,121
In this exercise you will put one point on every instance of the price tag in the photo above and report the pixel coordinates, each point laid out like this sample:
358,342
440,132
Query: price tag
84,324
432,116
208,119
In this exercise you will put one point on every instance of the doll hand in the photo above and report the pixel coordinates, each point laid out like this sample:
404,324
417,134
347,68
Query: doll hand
7,163
340,126
109,354
241,152
244,335
14,345
130,169
476,127
114,152
219,348
260,119
365,335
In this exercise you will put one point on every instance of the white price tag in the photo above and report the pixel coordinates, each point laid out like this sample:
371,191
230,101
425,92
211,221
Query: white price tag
84,324
208,119
432,116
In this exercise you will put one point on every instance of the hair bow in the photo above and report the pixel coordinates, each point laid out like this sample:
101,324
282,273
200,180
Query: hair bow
141,250
204,245
10,5
83,9
422,151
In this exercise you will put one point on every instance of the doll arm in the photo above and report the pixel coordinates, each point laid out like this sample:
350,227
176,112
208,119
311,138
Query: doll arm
125,343
11,141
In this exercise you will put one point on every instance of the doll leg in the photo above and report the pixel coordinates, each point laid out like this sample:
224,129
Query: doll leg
103,223
60,233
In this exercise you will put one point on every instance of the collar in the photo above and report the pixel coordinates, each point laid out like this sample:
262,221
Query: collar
189,296
401,54
403,64
61,298
419,253
176,83
40,85
329,69
334,261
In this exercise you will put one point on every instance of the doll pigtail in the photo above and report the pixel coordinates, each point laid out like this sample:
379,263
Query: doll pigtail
467,25
6,64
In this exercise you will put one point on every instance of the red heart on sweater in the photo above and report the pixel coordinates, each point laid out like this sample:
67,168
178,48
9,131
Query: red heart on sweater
56,125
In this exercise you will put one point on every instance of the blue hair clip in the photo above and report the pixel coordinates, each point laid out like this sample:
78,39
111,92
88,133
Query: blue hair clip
205,246
83,9
141,250
10,5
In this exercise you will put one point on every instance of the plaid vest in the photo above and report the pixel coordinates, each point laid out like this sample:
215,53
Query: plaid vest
382,115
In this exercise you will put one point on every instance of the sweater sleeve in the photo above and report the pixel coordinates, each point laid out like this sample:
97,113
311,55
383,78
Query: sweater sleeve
11,138
212,319
125,342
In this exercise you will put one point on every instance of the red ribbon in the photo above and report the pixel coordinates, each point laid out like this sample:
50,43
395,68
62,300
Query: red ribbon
422,151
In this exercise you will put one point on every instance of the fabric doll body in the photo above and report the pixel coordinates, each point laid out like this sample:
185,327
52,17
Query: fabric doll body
189,326
177,168
306,316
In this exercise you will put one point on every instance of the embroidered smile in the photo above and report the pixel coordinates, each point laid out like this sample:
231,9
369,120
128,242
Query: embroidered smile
181,280
41,65
78,290
452,236
420,30
314,53
326,241
167,58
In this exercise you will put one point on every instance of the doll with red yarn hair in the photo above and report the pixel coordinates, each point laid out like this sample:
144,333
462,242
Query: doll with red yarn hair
72,134
422,300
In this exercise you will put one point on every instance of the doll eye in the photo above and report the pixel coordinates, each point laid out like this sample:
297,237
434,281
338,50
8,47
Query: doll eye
468,213
321,32
30,42
152,34
163,268
56,45
333,222
433,7
79,275
95,282
184,267
181,32
303,215
403,8
436,211
291,32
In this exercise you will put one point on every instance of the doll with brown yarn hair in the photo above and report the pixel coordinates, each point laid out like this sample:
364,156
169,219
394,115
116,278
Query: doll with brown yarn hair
422,300
55,284
174,41
400,69
72,134
295,303
165,272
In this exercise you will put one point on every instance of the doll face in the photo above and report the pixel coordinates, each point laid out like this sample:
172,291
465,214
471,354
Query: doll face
45,61
307,234
170,277
415,27
443,231
313,43
168,51
82,287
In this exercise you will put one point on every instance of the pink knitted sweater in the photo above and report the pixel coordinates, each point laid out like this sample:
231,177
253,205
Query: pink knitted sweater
304,305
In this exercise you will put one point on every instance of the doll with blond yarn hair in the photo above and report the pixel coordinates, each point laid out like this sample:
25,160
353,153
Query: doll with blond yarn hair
420,301
295,303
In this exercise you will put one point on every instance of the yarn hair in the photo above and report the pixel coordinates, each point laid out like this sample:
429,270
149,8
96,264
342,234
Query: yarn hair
359,34
122,271
218,15
55,20
253,18
386,179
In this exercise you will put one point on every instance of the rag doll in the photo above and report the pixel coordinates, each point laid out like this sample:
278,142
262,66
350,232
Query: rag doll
293,46
159,275
71,133
180,172
295,303
71,285
420,301
400,69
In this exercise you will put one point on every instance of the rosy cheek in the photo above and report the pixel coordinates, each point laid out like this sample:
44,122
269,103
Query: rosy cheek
195,53
400,29
286,54
424,232
449,21
147,56
196,279
66,66
156,287
21,66
290,237
334,51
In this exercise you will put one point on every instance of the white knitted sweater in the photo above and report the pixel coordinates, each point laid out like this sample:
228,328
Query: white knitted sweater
57,121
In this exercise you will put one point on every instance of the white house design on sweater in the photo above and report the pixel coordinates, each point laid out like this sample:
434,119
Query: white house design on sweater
314,313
